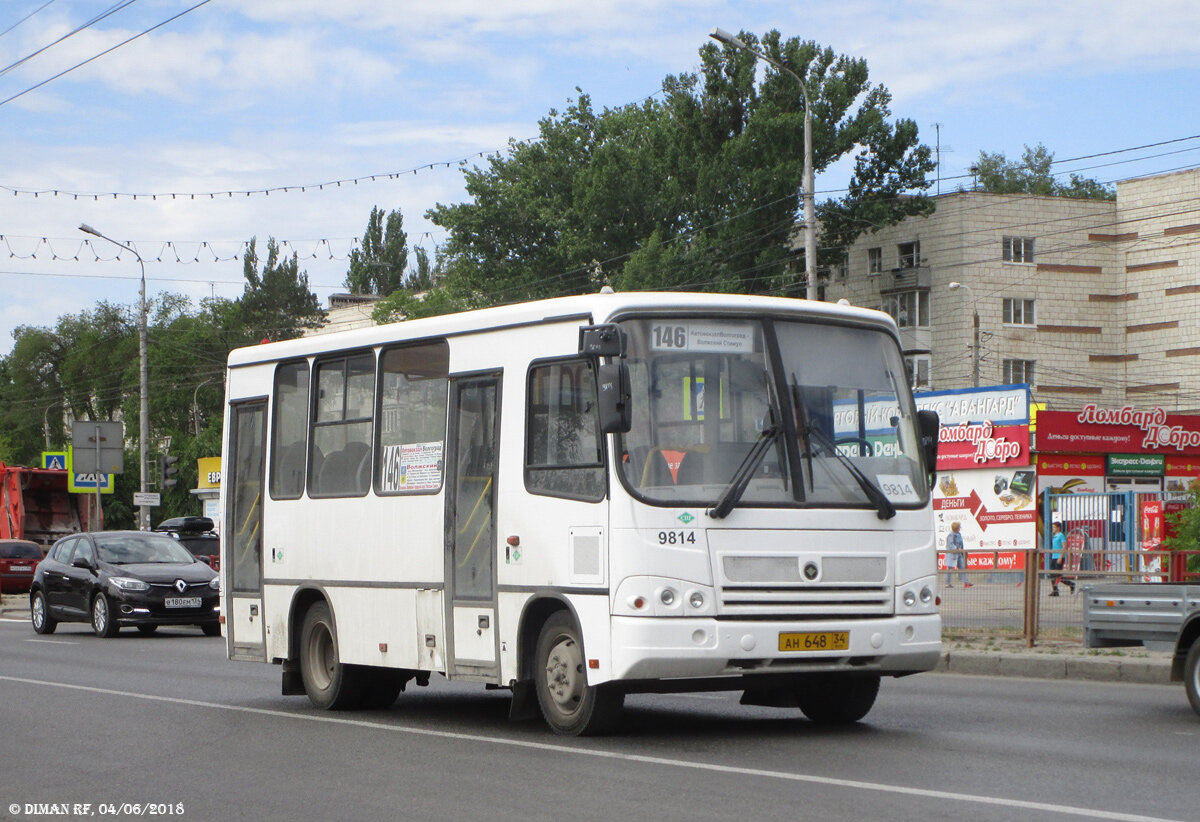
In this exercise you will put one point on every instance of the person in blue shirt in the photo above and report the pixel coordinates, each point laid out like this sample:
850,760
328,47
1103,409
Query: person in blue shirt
956,556
1058,546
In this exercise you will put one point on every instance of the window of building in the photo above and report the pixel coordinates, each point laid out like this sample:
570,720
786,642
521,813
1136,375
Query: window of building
563,446
1018,371
918,372
910,309
1017,249
1018,311
343,407
909,254
289,434
874,260
413,382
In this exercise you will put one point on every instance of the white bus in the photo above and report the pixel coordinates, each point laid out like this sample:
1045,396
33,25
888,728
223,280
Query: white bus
581,498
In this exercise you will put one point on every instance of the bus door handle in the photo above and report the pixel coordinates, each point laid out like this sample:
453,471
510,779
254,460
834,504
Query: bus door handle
484,622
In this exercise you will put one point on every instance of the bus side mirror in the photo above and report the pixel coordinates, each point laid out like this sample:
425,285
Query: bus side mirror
614,398
928,423
601,341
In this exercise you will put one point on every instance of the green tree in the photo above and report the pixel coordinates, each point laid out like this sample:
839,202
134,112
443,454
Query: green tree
277,303
377,266
1032,175
698,190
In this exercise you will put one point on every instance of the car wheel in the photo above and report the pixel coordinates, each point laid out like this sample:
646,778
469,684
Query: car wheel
1191,675
329,683
39,613
147,629
837,699
569,704
102,618
211,629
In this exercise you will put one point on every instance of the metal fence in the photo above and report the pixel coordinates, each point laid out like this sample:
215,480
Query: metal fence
1106,542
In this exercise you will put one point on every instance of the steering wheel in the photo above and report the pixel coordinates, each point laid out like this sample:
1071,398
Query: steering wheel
865,449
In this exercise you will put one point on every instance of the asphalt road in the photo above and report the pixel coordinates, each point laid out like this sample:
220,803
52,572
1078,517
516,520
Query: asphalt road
166,721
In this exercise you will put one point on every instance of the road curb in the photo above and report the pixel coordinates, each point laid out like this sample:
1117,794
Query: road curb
1031,665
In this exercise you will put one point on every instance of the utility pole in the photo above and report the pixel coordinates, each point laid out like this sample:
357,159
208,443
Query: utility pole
143,380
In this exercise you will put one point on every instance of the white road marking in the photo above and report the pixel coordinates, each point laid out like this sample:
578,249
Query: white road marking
54,641
852,784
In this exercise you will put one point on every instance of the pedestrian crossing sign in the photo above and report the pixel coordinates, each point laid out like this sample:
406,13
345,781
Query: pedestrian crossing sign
54,460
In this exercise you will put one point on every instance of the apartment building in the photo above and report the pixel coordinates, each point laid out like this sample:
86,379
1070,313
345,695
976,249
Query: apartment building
1087,301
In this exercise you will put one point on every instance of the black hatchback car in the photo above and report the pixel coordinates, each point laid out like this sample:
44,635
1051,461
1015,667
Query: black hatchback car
120,578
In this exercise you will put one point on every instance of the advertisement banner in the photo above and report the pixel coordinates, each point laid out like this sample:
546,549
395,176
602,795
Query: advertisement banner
1001,405
1119,430
982,445
1153,526
996,514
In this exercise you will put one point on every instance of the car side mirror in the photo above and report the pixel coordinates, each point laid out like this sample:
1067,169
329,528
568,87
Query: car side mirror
81,562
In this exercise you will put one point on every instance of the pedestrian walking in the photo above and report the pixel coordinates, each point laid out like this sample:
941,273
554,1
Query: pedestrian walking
1058,545
956,556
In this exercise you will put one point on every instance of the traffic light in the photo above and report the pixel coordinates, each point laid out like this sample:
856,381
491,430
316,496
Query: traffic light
167,469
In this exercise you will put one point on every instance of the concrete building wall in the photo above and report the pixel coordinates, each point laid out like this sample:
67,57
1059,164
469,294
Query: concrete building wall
1115,289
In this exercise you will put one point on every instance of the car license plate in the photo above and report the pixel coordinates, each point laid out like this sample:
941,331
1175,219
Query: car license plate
183,602
19,569
814,641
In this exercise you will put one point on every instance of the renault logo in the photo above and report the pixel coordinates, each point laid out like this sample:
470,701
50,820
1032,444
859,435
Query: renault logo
180,585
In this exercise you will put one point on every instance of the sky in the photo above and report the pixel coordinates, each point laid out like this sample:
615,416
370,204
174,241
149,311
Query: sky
291,119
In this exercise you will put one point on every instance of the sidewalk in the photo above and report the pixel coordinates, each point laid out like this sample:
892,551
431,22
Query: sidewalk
1050,659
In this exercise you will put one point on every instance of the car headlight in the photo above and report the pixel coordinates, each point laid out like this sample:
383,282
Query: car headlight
215,583
129,584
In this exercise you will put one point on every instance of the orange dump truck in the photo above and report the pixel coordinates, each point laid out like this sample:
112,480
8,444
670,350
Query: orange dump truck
36,505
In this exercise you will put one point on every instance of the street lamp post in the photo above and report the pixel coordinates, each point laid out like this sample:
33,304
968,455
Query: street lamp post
975,340
810,217
143,380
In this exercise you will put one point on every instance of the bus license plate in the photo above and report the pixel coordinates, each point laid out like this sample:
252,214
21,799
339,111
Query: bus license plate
814,641
183,602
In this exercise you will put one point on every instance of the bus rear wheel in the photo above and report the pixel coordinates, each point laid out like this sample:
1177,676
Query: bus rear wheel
837,699
330,684
569,704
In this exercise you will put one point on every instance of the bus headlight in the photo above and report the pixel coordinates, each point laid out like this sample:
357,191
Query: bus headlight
926,595
667,596
910,599
696,600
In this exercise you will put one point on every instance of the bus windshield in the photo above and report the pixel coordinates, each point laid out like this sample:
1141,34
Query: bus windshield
825,403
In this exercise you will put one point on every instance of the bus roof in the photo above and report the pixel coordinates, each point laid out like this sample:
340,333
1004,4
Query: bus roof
586,308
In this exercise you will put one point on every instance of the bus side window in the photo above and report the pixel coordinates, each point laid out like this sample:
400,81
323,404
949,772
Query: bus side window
564,454
411,430
343,409
290,430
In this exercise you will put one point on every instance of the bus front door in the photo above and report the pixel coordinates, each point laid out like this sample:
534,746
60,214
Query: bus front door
242,532
471,528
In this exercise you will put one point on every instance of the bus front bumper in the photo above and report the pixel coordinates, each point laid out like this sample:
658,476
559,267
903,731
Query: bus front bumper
652,648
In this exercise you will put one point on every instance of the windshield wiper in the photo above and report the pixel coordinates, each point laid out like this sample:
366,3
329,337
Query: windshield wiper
883,506
741,477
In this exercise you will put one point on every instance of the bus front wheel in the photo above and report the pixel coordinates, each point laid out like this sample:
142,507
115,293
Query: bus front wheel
837,699
569,705
329,683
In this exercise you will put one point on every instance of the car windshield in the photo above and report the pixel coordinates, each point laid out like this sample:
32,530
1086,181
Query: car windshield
706,390
127,549
20,550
